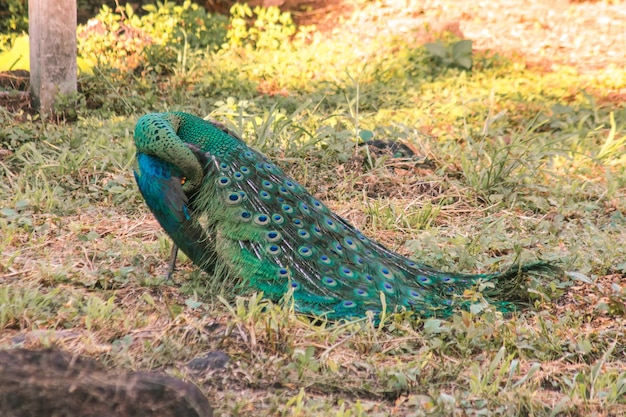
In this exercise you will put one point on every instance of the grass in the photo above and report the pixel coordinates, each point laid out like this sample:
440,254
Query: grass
512,162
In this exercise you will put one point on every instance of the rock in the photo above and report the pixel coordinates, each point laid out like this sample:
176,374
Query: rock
52,383
213,360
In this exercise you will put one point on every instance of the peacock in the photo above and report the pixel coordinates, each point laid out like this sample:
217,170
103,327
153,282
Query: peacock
239,217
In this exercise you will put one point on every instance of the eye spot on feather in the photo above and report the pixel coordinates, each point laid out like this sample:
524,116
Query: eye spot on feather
369,277
273,236
223,181
387,287
294,285
447,279
330,224
346,272
329,282
234,198
305,251
278,219
385,272
304,208
358,260
326,260
283,190
348,304
264,195
248,154
361,292
267,184
337,248
318,205
284,273
349,243
424,280
416,295
261,219
238,176
245,216
272,250
289,184
223,165
317,231
287,208
411,264
245,170
303,234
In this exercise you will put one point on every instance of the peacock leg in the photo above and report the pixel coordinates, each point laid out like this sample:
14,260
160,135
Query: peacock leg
172,263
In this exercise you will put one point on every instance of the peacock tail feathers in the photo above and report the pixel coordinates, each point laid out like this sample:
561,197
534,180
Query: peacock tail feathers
228,205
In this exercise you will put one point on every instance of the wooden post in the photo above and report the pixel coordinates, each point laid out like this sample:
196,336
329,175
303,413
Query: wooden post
52,32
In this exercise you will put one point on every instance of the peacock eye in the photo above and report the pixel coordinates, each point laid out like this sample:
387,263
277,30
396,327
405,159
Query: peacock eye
183,180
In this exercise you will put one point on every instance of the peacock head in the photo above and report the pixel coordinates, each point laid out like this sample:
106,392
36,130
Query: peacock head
156,135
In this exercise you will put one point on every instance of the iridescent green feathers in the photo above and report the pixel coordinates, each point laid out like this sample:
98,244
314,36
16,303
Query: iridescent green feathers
266,232
160,186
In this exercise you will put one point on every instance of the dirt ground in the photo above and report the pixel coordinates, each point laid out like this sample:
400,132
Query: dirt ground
585,35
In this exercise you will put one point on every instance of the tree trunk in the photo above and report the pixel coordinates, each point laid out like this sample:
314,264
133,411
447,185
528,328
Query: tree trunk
52,33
